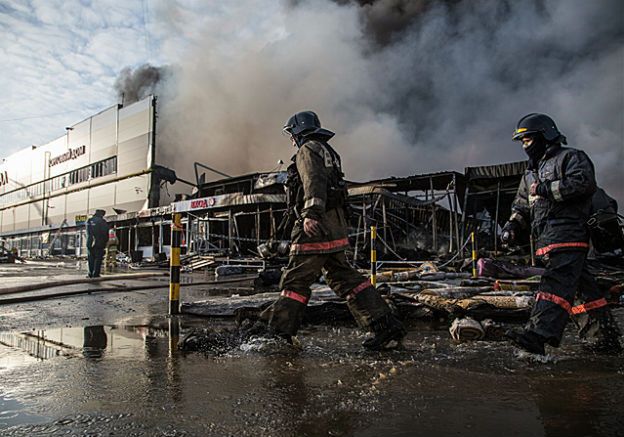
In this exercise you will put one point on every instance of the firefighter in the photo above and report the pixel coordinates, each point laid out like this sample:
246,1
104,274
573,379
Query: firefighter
554,202
97,238
110,253
317,196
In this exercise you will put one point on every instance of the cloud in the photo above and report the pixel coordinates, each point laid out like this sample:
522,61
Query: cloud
62,57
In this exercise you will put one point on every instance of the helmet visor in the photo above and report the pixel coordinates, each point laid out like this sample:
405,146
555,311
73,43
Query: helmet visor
522,132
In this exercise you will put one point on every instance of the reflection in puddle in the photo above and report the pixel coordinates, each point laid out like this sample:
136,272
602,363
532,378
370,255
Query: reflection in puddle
131,380
88,341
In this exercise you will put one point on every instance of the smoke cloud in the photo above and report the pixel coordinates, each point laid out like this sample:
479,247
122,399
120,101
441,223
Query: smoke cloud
133,85
408,86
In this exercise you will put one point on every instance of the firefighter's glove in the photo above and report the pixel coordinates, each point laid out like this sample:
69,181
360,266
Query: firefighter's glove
538,189
312,228
508,236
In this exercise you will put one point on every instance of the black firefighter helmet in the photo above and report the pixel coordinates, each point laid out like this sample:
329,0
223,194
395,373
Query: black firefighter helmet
536,123
306,124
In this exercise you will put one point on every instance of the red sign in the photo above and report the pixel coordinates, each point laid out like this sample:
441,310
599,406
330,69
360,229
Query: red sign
202,203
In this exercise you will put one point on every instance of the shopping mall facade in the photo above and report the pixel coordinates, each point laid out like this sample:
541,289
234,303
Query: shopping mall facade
103,162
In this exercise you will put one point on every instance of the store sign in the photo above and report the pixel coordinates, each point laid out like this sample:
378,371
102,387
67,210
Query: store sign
70,154
206,202
4,178
81,219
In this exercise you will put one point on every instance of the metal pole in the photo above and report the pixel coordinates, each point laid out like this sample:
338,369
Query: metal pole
272,224
230,233
357,240
463,230
161,237
385,224
257,225
364,227
208,228
174,277
455,211
448,196
474,254
189,233
496,217
373,256
434,225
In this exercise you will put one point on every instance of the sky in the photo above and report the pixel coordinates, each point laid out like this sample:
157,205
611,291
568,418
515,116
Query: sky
408,86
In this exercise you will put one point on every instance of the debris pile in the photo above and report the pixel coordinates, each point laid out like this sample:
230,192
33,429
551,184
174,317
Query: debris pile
475,308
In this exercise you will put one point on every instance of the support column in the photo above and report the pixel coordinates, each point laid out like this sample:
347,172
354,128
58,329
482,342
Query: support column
174,277
373,256
434,224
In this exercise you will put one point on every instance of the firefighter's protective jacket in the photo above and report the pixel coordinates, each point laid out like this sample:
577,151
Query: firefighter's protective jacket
322,197
558,213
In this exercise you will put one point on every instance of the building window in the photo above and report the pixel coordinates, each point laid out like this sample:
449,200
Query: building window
104,168
78,176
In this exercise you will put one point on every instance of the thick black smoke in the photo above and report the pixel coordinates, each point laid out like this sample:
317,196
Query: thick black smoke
408,86
134,85
386,19
469,70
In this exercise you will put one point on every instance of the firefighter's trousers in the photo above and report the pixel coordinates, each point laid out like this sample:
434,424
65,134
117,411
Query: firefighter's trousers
566,278
364,302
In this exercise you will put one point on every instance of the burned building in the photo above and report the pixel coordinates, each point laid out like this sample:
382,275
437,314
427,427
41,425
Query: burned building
416,216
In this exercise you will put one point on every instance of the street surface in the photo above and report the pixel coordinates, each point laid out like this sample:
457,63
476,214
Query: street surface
106,364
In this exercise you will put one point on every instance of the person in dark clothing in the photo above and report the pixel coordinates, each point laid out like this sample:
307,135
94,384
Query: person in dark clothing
554,201
317,196
97,237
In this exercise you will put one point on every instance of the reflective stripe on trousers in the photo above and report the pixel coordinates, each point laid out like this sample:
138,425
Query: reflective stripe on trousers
579,309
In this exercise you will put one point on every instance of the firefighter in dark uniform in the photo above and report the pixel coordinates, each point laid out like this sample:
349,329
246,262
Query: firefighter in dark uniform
317,194
97,237
554,202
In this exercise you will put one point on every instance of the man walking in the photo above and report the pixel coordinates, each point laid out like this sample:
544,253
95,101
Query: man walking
554,201
317,195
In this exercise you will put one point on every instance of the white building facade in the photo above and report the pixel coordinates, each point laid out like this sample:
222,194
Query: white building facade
103,162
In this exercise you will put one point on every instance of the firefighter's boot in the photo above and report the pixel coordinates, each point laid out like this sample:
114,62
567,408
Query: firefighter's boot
528,341
385,330
608,342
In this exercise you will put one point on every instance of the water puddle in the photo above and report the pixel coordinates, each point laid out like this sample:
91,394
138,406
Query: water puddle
12,413
133,380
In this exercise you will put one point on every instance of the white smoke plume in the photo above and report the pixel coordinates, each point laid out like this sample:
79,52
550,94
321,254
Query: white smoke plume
408,87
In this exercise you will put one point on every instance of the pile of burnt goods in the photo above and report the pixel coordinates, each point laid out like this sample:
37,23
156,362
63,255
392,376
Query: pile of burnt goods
189,263
474,307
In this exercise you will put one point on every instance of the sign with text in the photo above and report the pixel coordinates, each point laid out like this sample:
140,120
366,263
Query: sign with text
70,154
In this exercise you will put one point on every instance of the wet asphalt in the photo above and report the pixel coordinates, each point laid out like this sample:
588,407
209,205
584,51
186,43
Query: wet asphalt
107,364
